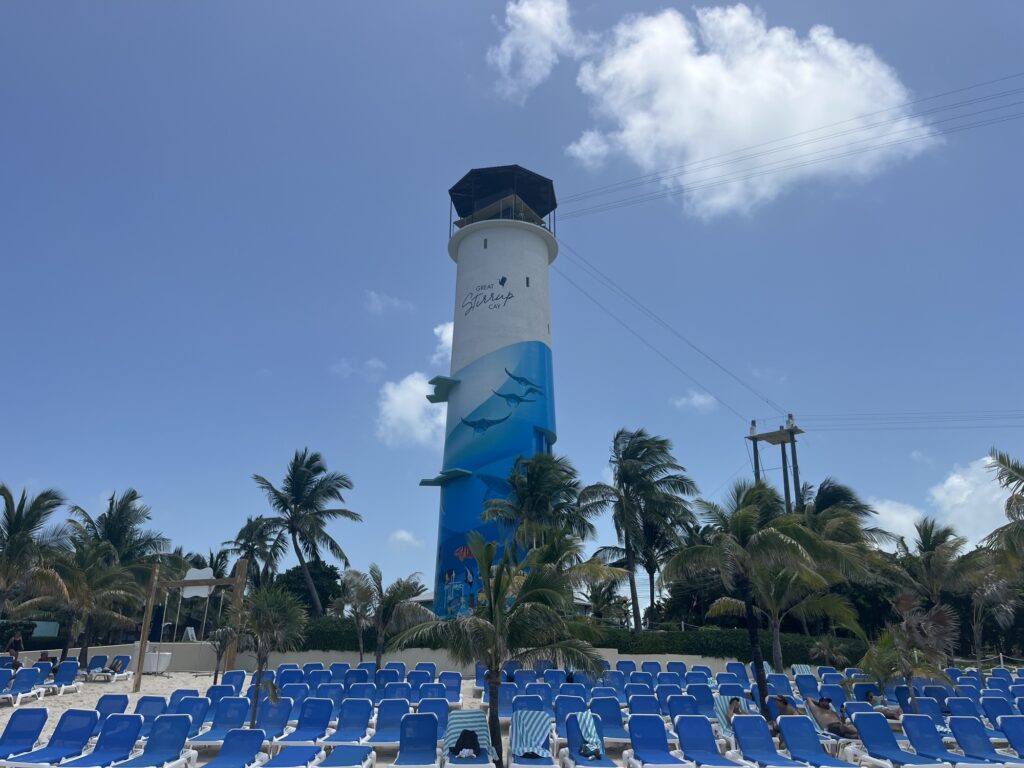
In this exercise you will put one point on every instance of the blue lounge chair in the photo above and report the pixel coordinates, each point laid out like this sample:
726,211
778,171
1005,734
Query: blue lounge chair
1013,728
388,727
64,679
626,666
353,722
22,731
116,742
472,720
668,678
831,691
739,669
663,692
69,739
240,749
650,667
524,677
555,678
151,707
529,740
333,691
612,726
384,676
399,690
480,676
570,754
547,698
807,686
527,702
416,679
432,691
355,676
961,706
293,757
317,666
643,705
564,706
823,670
861,691
235,678
6,661
23,686
348,756
803,743
107,705
272,716
369,666
697,742
726,678
927,742
431,667
96,663
540,666
996,707
630,690
6,675
298,693
880,743
312,724
682,705
288,676
705,699
165,747
778,683
650,743
975,743
574,689
362,691
506,693
678,667
439,709
643,678
217,692
177,695
338,670
755,742
417,740
230,714
196,707
452,682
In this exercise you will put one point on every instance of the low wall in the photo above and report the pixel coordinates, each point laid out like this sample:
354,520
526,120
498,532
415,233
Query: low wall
198,657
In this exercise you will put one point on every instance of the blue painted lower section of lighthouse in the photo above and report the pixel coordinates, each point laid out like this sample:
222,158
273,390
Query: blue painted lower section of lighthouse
504,408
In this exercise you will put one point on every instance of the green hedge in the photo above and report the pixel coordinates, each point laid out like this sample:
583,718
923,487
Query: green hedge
720,644
330,633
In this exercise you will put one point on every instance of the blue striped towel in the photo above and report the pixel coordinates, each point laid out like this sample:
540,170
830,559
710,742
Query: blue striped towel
469,720
589,733
529,732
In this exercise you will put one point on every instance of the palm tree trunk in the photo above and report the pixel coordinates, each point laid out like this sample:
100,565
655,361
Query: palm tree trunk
493,723
777,645
977,629
650,609
743,587
359,634
631,569
380,645
318,609
256,691
83,652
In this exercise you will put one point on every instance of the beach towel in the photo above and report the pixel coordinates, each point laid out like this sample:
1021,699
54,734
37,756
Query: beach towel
528,734
468,719
592,745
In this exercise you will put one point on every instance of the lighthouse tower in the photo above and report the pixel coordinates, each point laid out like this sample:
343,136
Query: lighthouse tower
500,391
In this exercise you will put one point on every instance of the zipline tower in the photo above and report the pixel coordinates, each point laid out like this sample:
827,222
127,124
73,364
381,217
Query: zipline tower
500,391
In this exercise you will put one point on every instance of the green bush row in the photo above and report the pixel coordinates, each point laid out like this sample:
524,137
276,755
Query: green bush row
721,644
330,633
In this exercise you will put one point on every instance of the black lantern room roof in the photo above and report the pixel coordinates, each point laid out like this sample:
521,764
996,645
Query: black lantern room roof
483,187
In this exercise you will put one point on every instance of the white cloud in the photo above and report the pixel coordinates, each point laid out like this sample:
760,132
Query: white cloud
920,457
536,34
443,352
970,500
670,92
377,303
693,400
370,369
404,538
897,517
405,417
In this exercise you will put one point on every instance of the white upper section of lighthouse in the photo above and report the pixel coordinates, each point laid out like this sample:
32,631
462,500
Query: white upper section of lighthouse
501,287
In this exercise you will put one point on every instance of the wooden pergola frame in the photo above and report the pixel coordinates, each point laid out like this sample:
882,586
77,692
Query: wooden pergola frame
236,582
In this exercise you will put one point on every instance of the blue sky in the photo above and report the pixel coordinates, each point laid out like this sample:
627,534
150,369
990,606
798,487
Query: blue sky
223,236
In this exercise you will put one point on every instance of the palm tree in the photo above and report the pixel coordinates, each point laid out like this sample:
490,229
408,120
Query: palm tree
220,640
358,596
746,534
993,597
302,511
604,603
98,590
836,513
921,640
270,620
121,525
1009,475
646,494
522,616
789,592
261,543
25,539
544,490
391,608
935,561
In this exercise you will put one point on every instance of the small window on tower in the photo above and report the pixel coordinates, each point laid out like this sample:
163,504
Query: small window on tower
527,282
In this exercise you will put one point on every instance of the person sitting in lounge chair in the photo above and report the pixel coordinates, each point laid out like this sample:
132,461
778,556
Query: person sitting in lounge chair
891,713
829,719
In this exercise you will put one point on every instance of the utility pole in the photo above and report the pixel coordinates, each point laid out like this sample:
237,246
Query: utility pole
783,436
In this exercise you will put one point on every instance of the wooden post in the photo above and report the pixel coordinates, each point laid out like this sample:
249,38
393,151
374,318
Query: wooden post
237,595
147,618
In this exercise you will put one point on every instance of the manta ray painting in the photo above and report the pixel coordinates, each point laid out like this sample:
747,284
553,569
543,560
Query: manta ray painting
482,425
522,380
512,399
